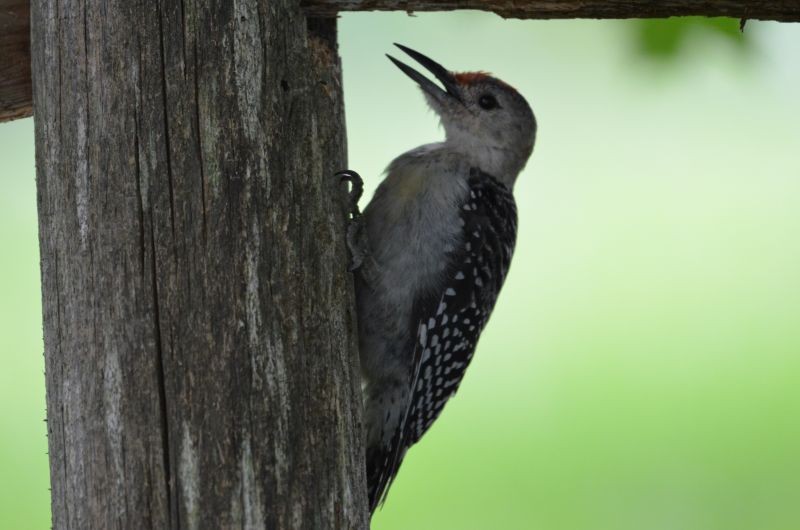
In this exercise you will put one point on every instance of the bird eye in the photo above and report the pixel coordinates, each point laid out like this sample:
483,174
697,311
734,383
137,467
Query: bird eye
488,102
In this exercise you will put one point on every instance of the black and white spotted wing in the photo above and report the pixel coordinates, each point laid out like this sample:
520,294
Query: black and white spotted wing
448,336
449,324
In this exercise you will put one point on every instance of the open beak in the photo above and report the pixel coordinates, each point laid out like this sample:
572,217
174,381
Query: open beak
440,72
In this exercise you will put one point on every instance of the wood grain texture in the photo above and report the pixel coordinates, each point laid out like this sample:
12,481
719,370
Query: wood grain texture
198,324
15,60
782,10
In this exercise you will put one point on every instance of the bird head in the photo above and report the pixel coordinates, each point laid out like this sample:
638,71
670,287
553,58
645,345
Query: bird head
482,116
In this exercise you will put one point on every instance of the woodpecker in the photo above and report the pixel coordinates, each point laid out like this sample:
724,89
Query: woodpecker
430,254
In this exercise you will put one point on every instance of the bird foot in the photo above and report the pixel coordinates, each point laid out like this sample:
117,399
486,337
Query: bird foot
356,235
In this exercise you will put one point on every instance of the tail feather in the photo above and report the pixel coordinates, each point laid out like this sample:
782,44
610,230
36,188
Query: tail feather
383,464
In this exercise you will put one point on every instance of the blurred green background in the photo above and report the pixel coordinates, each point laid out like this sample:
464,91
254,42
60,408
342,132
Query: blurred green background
642,368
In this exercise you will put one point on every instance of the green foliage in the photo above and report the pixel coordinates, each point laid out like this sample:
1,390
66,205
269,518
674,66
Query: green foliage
667,38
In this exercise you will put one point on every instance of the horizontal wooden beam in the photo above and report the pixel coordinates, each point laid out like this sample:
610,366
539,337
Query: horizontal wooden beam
781,10
15,70
15,60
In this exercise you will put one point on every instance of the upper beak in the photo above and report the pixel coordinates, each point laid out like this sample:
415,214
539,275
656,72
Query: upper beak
440,72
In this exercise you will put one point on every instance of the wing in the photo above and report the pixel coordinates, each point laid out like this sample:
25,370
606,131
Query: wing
449,323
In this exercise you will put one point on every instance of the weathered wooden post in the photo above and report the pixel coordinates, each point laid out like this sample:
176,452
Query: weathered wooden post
197,318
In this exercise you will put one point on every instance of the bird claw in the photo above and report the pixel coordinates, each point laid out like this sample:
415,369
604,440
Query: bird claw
356,190
356,235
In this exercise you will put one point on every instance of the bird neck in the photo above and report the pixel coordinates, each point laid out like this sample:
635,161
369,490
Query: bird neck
500,162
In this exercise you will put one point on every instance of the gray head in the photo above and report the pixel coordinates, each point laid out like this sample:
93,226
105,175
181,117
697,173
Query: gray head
482,116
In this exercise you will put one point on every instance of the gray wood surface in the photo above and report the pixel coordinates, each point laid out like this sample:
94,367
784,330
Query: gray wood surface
198,324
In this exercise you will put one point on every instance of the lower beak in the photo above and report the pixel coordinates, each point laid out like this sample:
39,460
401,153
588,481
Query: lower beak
441,73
